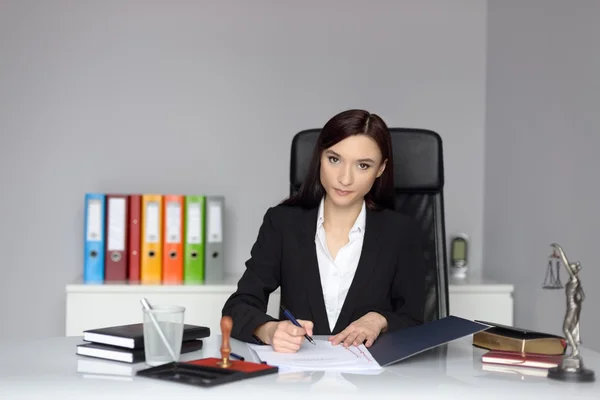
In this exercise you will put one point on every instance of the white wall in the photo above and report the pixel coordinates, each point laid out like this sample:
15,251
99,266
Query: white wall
542,160
168,97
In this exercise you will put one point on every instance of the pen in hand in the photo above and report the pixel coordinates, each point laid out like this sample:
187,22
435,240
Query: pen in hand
289,316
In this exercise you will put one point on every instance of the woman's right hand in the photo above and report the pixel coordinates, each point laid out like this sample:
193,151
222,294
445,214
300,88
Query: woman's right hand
287,337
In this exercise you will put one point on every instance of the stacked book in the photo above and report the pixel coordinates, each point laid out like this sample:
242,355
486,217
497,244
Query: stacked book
519,351
125,343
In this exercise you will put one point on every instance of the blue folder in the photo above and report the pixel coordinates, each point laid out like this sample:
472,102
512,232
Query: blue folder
94,237
392,347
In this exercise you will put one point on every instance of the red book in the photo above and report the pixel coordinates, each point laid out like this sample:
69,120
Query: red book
521,359
115,261
135,226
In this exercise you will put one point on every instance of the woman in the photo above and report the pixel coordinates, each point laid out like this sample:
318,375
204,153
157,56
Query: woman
347,264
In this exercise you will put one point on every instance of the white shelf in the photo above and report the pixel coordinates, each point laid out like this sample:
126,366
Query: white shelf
91,306
467,285
477,284
148,288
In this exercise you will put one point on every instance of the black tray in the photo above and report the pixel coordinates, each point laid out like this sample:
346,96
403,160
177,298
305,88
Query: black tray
201,375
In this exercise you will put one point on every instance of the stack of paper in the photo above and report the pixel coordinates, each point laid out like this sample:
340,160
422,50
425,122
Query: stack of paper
322,357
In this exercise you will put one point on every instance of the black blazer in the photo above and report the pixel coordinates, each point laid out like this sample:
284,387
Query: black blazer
389,279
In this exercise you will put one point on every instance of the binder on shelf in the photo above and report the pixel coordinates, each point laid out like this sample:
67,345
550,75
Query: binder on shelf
151,244
194,247
134,237
93,263
173,239
215,221
115,258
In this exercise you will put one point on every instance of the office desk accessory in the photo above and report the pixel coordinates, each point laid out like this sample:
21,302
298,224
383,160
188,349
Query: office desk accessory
160,332
571,368
210,371
293,320
459,252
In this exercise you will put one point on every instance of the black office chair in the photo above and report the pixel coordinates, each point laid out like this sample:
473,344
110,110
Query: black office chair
419,183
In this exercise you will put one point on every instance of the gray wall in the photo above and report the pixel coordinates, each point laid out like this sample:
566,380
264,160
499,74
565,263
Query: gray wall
204,97
542,165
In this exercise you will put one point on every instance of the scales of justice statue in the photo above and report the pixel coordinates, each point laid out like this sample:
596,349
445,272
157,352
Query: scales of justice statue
571,368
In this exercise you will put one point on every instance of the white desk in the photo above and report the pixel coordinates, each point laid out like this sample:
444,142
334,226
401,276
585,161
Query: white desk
48,369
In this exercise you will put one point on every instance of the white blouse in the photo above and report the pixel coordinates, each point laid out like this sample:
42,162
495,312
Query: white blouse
337,274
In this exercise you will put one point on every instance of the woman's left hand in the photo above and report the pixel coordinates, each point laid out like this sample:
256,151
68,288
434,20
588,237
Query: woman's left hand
368,327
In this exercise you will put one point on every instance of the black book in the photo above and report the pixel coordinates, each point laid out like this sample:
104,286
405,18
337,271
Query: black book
131,356
516,332
516,339
132,336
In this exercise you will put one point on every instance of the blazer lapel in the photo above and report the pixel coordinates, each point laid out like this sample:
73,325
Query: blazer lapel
308,259
365,270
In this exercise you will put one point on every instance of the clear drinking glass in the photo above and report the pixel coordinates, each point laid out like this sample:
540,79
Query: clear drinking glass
170,319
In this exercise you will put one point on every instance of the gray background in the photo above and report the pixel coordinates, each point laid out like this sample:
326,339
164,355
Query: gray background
541,153
204,97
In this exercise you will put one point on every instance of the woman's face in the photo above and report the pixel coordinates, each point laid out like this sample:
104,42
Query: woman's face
349,169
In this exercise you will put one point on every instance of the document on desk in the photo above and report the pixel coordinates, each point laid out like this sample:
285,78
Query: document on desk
322,357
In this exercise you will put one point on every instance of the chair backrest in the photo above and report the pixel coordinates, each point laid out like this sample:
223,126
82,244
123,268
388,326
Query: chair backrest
419,182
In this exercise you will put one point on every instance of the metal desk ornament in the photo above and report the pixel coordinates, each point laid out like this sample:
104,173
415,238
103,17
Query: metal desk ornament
571,368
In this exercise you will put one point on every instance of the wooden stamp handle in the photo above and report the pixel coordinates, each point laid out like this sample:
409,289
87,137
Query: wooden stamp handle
226,326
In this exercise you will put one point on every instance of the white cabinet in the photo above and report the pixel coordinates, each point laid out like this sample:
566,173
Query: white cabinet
91,306
94,306
480,299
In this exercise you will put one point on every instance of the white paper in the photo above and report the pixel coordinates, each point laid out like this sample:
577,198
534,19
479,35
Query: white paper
322,357
194,224
215,230
152,223
116,224
173,222
94,220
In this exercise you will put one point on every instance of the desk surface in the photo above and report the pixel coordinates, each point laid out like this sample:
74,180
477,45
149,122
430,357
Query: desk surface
48,367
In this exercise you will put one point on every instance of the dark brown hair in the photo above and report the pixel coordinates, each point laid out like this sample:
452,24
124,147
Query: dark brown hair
338,128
